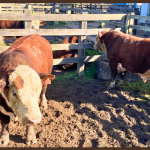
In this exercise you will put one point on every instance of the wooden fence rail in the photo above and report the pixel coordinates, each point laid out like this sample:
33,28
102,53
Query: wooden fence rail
28,16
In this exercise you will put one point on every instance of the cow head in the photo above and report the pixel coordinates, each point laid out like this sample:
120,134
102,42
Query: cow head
99,44
37,23
22,89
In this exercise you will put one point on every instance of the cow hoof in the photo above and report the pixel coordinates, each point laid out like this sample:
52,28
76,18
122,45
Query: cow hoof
30,136
110,87
31,141
121,82
4,138
43,103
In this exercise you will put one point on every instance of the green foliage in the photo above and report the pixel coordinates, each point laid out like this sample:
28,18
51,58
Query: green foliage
52,24
61,23
144,88
6,44
51,42
89,71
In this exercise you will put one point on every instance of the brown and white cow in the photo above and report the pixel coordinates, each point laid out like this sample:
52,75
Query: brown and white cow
67,53
11,24
125,53
25,71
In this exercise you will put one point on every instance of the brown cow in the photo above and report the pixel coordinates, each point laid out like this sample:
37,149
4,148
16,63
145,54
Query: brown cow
125,53
11,24
25,69
67,53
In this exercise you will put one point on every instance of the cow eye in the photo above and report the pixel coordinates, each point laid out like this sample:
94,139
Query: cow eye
13,93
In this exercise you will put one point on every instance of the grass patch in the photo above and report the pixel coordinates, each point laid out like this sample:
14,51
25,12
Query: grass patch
60,23
52,24
142,88
4,44
51,42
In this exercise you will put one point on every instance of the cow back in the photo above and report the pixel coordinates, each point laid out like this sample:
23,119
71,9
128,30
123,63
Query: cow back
67,53
37,49
132,52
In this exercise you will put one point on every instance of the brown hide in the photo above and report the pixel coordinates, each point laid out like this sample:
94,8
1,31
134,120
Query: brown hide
10,24
67,53
34,51
132,52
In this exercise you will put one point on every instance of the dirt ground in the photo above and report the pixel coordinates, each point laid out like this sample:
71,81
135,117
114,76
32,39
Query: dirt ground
85,114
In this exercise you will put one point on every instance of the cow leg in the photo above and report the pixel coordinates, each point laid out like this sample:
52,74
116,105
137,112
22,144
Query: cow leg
5,130
122,74
114,72
30,135
43,102
5,134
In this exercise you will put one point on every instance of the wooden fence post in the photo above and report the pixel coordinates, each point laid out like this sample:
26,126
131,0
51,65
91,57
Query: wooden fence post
68,12
101,25
128,22
81,52
0,8
1,37
28,24
56,24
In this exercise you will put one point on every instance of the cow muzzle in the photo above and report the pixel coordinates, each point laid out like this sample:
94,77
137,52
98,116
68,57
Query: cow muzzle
34,120
31,121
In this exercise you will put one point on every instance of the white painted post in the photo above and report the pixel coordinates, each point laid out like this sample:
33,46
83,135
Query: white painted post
1,38
68,12
129,22
0,8
81,52
28,24
56,25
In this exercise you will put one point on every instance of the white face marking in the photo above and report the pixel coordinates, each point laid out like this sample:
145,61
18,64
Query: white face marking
100,46
25,101
35,24
96,43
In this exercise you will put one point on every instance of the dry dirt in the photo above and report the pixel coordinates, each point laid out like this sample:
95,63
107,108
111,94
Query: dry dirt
85,114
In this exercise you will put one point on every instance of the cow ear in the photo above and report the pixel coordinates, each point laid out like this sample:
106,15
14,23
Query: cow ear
42,23
46,78
99,34
2,84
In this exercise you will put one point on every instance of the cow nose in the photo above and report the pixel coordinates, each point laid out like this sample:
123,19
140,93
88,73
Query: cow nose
34,120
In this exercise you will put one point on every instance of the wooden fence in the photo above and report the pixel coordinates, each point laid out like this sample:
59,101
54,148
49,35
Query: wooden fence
82,32
20,8
99,7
